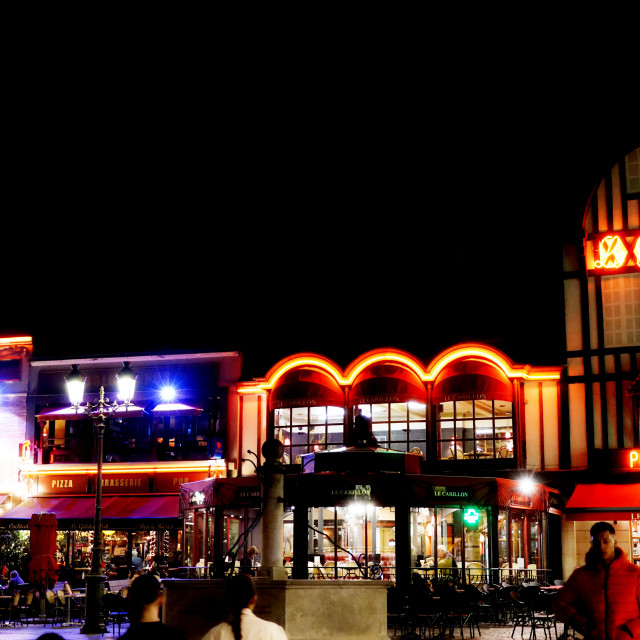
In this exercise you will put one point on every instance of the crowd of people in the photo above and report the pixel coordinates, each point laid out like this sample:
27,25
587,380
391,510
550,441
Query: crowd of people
600,600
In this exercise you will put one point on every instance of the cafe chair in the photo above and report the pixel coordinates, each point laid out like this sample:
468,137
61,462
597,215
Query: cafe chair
542,616
116,610
399,616
53,609
475,572
15,617
22,608
458,612
520,612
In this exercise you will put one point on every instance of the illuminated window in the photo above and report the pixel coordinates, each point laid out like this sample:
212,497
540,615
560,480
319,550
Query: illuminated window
400,426
621,310
305,429
632,165
474,429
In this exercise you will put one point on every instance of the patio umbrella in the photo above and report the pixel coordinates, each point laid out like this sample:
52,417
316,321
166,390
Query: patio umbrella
43,566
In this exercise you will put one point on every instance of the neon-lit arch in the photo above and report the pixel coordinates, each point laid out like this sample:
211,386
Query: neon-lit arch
428,374
383,355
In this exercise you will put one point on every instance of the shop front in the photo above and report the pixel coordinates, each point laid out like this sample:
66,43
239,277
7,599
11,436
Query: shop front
140,514
379,525
221,520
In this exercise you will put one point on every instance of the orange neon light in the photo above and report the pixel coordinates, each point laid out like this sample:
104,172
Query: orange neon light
16,339
636,252
634,459
426,375
612,253
151,467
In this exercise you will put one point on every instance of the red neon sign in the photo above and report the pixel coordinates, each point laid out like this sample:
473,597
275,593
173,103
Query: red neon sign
615,252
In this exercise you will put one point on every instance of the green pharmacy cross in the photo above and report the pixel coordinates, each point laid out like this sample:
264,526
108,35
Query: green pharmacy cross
471,517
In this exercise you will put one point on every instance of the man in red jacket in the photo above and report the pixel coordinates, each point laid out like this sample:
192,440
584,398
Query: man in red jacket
601,600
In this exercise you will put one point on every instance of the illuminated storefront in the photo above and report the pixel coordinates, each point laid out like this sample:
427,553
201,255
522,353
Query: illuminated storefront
450,439
150,448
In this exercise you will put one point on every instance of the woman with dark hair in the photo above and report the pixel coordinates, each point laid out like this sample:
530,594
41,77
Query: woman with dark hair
145,599
243,624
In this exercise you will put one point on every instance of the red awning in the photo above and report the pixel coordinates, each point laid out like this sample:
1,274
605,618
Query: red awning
472,380
116,510
226,492
603,502
306,387
387,383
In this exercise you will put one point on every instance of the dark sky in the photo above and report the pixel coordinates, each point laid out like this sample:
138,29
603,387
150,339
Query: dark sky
312,213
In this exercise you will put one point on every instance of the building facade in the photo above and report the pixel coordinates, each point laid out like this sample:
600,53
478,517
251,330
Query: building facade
15,355
149,449
601,438
450,444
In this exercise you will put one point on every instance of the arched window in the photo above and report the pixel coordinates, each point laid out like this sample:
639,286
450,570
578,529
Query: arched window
396,401
473,403
307,408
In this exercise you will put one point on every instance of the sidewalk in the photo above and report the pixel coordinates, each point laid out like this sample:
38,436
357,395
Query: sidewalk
31,632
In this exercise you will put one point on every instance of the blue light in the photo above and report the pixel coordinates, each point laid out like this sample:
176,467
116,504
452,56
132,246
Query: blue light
167,394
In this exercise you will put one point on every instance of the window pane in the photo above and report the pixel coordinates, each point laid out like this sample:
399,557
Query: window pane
418,431
381,432
335,414
502,409
335,435
380,412
300,415
318,415
484,408
504,448
445,410
299,436
446,429
417,411
464,409
317,436
282,417
398,411
398,431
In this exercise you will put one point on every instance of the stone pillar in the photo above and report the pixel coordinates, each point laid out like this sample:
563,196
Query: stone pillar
272,472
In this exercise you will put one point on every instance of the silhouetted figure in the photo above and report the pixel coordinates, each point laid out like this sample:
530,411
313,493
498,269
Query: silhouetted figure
145,599
362,433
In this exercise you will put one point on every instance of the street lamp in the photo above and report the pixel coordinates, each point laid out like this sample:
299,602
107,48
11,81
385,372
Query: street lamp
100,411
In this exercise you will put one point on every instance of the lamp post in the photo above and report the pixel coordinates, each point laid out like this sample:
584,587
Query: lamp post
100,411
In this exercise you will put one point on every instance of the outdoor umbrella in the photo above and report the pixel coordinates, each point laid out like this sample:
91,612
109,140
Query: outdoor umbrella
42,566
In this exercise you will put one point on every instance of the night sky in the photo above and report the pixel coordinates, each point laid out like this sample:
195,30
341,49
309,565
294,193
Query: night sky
303,214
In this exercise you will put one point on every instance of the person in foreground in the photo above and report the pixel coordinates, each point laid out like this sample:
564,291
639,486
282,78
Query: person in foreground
243,624
601,600
145,600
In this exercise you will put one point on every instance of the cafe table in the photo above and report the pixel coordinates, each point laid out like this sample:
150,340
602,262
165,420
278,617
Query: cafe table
80,597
